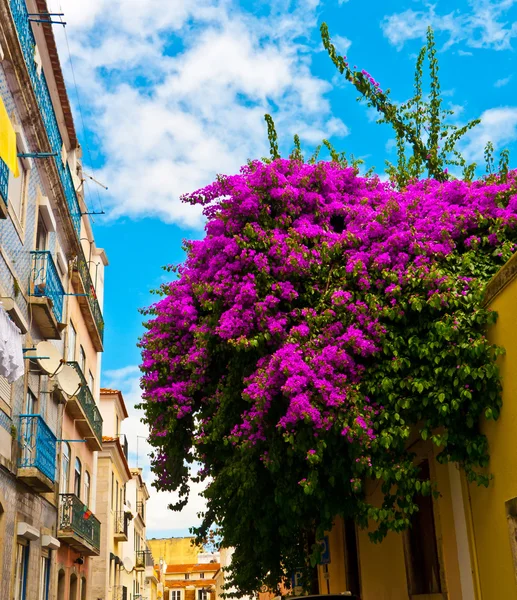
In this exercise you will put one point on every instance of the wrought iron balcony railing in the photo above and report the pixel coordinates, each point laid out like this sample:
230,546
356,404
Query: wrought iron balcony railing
38,446
140,509
41,91
45,281
4,180
84,273
123,442
87,402
121,522
74,516
140,559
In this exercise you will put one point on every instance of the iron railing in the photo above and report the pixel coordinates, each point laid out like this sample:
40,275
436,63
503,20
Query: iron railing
123,442
141,557
4,180
38,445
45,281
84,273
121,521
41,91
86,400
140,509
75,516
39,84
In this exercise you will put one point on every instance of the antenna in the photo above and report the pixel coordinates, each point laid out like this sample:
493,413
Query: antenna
95,180
69,380
128,564
47,357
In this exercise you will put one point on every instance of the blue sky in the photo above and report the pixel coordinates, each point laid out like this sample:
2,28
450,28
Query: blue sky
174,92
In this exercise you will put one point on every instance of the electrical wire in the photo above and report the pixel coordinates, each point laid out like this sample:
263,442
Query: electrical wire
80,110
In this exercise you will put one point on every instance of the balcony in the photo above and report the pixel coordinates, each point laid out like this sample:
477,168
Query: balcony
4,181
140,509
141,559
83,409
39,84
46,295
120,526
88,303
123,442
78,527
37,460
41,91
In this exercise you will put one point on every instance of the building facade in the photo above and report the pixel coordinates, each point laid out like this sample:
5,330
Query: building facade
52,311
113,474
462,544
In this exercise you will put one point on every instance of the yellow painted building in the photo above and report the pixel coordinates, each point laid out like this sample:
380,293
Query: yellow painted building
463,545
175,551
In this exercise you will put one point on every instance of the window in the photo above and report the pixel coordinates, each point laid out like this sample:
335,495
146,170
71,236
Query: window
423,565
20,574
87,488
187,576
77,478
116,497
353,581
112,488
202,595
82,359
201,576
44,578
72,336
41,235
117,425
16,192
175,595
65,467
30,403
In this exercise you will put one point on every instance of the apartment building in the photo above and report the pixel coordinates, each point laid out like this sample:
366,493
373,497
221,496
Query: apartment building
113,474
51,294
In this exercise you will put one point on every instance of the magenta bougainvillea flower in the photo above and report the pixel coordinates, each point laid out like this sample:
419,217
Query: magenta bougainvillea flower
323,317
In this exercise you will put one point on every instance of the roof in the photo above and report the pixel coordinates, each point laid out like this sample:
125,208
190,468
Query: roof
182,583
58,75
118,393
195,568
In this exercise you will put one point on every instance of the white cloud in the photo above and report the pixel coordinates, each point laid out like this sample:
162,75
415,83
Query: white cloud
177,93
341,43
498,125
502,82
465,53
160,522
481,27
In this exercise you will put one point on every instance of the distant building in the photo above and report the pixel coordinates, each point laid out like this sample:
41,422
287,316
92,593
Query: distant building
191,581
181,550
115,514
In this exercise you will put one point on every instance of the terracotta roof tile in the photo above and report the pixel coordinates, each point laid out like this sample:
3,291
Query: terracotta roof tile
193,568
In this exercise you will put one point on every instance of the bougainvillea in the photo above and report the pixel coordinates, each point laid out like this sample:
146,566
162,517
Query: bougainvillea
324,318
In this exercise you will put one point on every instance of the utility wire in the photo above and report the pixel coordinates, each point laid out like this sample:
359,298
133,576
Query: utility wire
81,113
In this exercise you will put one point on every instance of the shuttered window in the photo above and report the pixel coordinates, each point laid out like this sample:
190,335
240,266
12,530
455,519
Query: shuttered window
5,390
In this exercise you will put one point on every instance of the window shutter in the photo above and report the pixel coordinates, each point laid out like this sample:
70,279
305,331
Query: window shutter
5,390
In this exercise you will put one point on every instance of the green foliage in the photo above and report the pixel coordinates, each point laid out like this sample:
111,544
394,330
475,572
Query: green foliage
420,124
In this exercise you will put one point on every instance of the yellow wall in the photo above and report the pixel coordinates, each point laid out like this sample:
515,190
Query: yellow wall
382,566
490,529
175,551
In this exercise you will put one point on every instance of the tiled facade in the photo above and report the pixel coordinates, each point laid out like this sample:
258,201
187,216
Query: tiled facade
48,460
